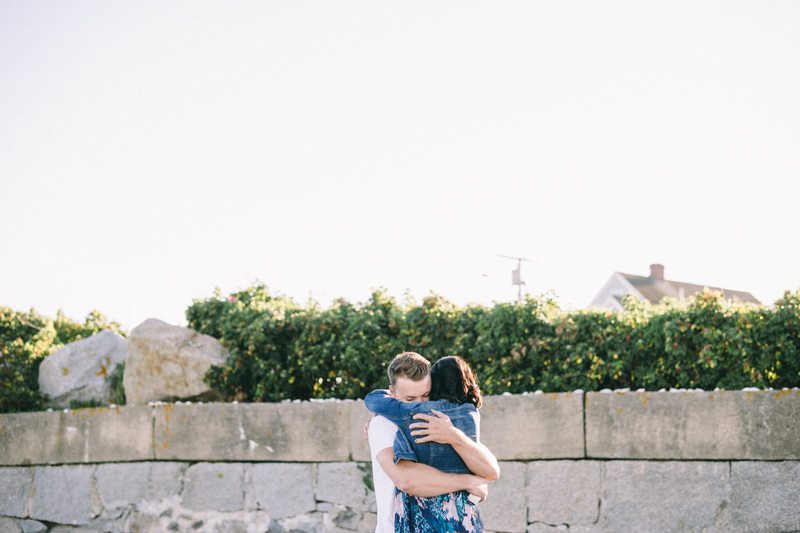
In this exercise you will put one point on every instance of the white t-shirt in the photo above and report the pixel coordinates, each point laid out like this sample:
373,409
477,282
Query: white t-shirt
381,436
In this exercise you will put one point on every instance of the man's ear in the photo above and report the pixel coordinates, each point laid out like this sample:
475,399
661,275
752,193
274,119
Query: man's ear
392,392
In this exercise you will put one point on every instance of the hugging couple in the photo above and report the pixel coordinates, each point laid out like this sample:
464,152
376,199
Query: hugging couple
428,465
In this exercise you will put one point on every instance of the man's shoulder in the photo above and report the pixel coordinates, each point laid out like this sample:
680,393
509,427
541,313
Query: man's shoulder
383,424
381,434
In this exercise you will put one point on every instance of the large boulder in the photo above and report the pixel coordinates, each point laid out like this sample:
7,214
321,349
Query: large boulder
167,363
81,370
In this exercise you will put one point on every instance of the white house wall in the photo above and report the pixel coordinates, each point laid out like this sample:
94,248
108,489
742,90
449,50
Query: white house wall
616,285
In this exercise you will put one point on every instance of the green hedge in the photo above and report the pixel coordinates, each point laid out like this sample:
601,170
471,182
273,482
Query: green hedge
282,350
26,338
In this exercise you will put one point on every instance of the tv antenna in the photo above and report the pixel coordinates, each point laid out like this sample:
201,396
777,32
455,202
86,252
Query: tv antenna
516,274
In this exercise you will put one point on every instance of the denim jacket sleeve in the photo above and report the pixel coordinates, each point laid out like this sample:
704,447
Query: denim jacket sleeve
381,402
402,448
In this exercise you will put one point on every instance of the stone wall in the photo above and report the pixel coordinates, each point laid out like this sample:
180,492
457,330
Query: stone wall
606,461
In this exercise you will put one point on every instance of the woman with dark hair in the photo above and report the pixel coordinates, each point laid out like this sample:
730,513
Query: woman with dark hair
452,379
454,397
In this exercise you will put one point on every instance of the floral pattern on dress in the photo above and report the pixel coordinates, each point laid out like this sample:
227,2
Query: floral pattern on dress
449,513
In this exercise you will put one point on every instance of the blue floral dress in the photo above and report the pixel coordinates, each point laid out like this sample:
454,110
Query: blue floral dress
448,513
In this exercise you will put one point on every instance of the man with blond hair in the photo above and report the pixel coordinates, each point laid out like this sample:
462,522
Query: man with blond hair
410,381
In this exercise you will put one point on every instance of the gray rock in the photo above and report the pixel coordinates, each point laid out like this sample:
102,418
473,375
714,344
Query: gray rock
369,521
32,526
9,525
81,370
580,528
64,494
663,495
326,507
283,489
539,527
504,509
143,481
694,425
765,495
359,447
96,434
564,492
343,483
214,487
303,431
533,426
166,362
140,520
274,527
346,518
307,523
16,484
78,529
230,526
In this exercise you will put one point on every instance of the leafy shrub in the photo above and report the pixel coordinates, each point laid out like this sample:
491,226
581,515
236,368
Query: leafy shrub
280,350
117,388
26,338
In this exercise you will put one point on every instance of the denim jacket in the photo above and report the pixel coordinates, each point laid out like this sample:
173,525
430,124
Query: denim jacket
464,416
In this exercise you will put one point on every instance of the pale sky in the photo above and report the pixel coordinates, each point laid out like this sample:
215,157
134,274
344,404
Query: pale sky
151,151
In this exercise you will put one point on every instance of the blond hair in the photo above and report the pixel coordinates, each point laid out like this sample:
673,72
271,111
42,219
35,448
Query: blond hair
409,365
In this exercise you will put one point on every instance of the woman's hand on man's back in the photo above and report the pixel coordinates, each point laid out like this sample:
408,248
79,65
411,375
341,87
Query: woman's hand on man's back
436,428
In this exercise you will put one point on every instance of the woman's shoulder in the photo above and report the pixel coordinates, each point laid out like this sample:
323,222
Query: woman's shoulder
447,405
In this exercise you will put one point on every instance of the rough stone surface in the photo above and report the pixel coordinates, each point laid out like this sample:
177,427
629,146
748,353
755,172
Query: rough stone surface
142,481
533,426
634,496
214,486
229,526
765,495
309,523
343,483
299,454
38,438
504,509
359,447
77,529
564,492
32,526
9,525
144,521
663,496
683,425
167,362
81,370
16,484
94,434
307,431
282,489
580,528
343,518
114,434
369,522
64,494
538,527
694,425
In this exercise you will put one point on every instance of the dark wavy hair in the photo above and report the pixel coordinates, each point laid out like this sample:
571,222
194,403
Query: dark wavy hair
452,379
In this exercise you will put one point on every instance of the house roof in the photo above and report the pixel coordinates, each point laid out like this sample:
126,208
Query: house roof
655,290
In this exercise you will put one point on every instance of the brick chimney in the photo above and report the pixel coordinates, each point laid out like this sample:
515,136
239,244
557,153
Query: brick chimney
657,271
